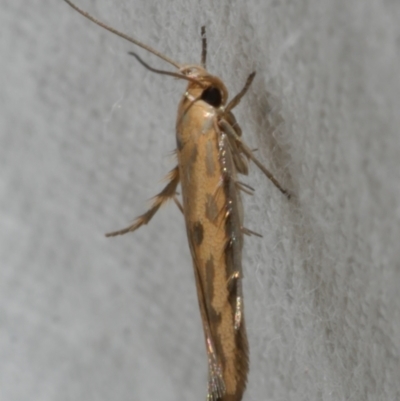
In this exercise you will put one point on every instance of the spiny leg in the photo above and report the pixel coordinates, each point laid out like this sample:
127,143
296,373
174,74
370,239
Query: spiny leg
247,231
203,47
178,203
247,151
167,193
236,100
244,187
238,159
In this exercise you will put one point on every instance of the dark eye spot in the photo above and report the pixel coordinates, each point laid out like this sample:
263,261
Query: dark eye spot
212,96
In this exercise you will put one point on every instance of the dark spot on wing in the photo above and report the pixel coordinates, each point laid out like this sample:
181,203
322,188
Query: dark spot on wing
179,142
198,233
194,154
210,163
211,208
210,272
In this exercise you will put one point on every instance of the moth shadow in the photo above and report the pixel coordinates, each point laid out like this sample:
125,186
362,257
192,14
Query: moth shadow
273,136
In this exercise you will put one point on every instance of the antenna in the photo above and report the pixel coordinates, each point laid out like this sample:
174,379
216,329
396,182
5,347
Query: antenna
162,72
123,35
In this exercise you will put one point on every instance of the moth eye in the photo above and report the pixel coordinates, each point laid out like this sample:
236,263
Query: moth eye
212,96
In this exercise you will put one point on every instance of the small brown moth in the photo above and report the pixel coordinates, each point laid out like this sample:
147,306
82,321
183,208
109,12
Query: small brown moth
210,155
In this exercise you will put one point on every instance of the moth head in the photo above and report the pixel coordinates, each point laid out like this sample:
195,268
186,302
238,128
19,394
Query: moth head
204,86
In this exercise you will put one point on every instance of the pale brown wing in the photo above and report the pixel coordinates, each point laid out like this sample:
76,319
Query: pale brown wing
232,220
216,385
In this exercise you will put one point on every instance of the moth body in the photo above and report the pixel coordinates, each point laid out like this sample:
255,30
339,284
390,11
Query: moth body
210,154
211,206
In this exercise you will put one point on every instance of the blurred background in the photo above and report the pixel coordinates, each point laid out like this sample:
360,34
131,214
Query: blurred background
86,136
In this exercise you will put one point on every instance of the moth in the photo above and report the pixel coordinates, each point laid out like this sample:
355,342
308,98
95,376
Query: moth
210,155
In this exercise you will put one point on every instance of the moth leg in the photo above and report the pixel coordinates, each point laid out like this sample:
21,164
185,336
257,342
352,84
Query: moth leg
247,151
236,100
177,203
203,47
249,232
238,159
244,187
167,193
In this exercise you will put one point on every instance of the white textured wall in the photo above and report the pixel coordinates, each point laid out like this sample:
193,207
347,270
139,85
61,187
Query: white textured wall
85,135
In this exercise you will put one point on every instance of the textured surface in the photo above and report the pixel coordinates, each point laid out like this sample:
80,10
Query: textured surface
84,139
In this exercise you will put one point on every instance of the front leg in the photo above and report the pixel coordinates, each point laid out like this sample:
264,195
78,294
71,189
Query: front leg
227,128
